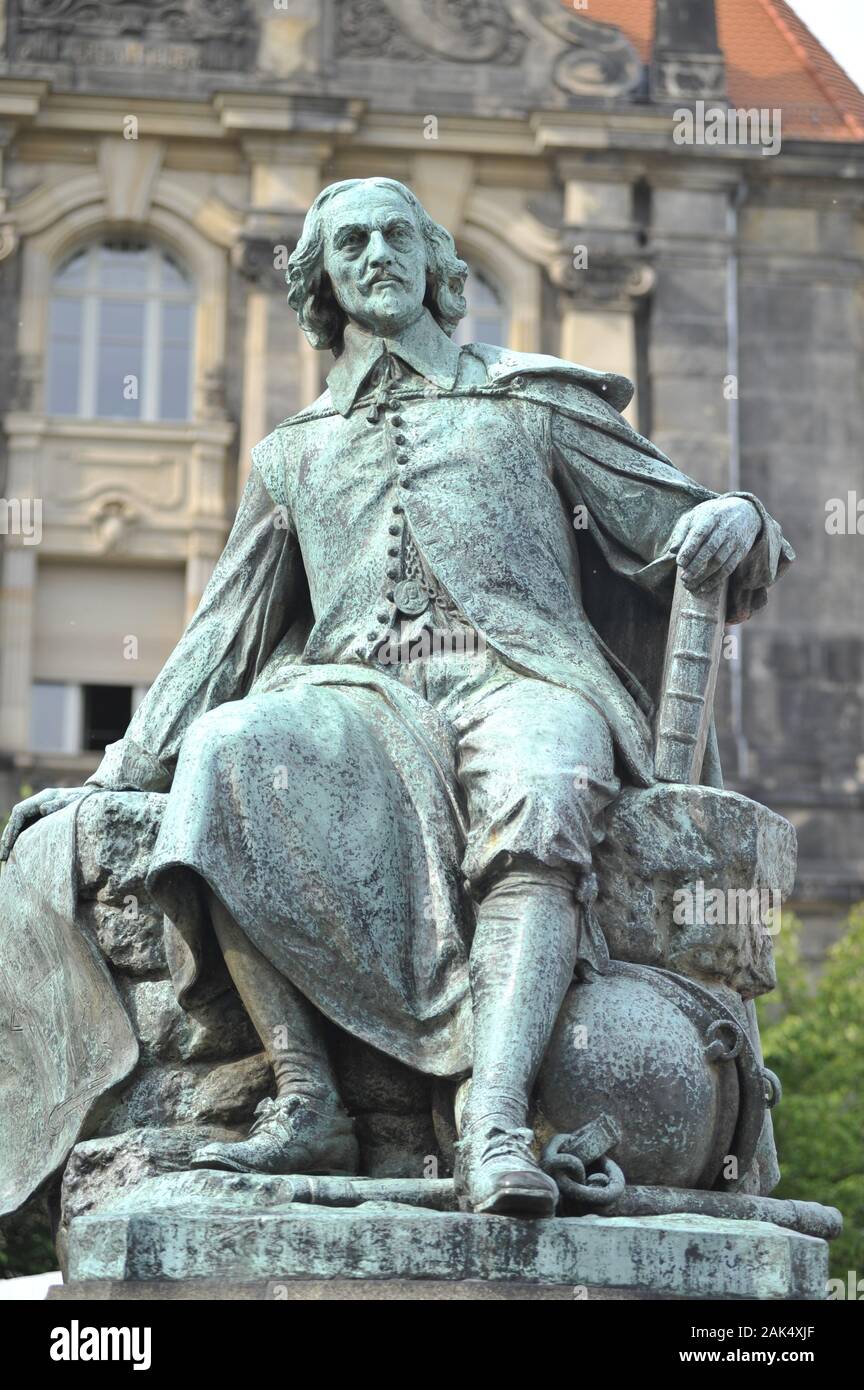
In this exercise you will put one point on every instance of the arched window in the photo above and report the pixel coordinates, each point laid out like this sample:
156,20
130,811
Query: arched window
120,334
487,319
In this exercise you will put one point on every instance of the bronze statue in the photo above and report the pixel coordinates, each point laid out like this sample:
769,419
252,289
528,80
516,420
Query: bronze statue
392,732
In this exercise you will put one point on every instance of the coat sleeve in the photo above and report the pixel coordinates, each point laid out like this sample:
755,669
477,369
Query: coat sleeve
244,611
631,498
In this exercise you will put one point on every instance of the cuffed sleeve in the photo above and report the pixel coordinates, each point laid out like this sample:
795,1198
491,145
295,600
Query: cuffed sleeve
633,498
127,767
763,565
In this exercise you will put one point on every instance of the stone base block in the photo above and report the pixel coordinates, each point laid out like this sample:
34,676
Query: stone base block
691,879
335,1290
236,1230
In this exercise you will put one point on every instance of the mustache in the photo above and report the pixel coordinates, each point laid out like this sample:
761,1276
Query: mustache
380,275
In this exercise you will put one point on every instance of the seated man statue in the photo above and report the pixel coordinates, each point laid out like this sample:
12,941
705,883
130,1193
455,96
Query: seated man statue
390,732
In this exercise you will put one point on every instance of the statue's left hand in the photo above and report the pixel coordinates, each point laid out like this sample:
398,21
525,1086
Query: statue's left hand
44,803
712,539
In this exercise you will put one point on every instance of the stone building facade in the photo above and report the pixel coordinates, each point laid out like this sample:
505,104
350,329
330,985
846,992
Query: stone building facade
157,163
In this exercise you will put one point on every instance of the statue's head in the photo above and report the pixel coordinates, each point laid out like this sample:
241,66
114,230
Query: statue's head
369,252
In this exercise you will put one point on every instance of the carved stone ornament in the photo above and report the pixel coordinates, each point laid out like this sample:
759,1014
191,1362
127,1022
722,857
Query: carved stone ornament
588,59
185,34
111,520
683,77
458,31
262,260
607,281
598,60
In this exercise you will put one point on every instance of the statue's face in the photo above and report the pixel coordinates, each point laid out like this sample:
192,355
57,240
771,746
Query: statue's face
376,258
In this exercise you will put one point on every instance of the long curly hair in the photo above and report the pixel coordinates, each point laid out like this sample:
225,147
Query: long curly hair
310,292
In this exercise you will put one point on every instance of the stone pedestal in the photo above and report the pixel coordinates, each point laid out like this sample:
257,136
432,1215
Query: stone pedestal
231,1232
335,1290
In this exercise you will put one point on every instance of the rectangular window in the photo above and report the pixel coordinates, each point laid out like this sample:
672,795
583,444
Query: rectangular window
69,718
107,711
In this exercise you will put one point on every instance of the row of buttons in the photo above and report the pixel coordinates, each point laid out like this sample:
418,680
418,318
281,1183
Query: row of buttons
394,529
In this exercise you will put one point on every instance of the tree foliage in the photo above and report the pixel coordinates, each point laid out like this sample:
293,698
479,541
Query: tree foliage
813,1037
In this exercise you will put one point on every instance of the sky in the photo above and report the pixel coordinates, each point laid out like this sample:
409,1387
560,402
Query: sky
839,27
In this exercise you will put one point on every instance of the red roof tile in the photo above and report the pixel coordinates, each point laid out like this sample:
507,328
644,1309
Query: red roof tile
772,60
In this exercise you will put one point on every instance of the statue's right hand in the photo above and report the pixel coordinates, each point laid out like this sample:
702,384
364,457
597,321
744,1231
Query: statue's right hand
42,804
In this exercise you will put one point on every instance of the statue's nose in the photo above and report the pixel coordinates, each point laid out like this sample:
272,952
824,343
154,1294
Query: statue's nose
378,252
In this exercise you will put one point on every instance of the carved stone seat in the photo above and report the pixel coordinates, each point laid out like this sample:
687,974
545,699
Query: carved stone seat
201,1072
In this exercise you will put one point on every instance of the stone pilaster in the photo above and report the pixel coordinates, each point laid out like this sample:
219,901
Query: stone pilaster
689,359
18,568
281,373
206,536
600,270
17,594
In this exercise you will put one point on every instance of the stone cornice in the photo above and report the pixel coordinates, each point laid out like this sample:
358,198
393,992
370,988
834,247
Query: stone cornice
161,432
637,143
20,98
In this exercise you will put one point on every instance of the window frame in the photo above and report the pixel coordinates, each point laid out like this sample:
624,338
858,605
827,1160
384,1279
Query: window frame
91,295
